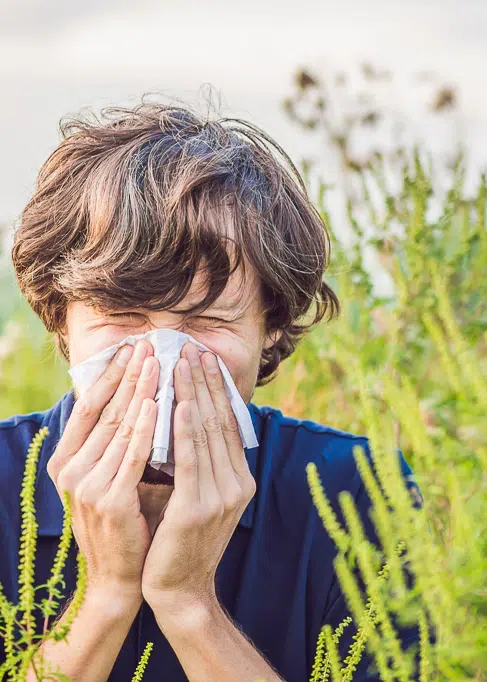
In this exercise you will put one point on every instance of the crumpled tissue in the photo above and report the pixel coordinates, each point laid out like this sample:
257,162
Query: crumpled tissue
167,345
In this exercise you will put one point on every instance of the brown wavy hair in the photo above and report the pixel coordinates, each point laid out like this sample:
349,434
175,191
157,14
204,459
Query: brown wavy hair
124,210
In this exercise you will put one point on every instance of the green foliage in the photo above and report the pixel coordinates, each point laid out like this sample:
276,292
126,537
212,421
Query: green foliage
32,376
449,564
25,651
144,659
408,370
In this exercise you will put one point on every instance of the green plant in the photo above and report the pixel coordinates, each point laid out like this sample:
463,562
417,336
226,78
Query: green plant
23,652
449,567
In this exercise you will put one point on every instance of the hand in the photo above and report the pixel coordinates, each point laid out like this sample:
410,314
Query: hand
212,487
100,460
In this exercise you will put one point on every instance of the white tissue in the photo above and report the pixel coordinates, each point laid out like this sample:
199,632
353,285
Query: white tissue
167,345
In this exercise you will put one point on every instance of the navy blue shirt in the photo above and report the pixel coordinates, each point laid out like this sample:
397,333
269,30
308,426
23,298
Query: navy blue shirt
276,578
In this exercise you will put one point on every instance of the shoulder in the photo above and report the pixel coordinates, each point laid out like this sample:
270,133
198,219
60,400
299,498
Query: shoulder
294,443
17,428
22,420
289,445
16,434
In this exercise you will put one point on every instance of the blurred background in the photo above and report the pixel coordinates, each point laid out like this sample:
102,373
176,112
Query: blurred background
58,57
338,85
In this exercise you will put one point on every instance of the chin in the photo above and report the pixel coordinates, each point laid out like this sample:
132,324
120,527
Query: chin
156,477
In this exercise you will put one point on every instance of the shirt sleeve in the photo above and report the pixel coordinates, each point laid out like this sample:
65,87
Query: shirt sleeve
337,609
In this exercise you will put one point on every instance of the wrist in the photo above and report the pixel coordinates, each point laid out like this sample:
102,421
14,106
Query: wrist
185,614
114,600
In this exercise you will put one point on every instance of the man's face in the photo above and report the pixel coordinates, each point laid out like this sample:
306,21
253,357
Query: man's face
237,336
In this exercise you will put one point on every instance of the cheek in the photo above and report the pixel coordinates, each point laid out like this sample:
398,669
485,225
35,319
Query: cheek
237,356
87,343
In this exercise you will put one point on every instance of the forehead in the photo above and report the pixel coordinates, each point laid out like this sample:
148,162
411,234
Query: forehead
241,292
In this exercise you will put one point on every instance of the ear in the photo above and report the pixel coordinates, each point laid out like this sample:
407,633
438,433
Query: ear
271,339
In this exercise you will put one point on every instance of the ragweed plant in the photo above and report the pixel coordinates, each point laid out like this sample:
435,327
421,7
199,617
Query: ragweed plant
447,560
24,652
144,659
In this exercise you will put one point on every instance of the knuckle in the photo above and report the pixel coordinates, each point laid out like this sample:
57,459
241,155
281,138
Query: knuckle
230,422
125,430
249,487
133,458
141,391
199,379
111,375
66,480
189,462
200,438
111,415
132,377
233,499
85,496
83,408
62,483
52,468
141,429
191,522
188,519
212,424
214,510
102,507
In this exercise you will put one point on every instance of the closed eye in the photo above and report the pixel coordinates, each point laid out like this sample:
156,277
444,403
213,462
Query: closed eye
125,315
211,319
200,317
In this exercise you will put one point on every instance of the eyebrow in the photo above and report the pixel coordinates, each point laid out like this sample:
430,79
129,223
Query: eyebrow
224,307
221,307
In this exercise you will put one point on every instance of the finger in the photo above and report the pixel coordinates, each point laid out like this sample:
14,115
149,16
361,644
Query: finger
114,412
86,411
137,453
106,468
223,471
110,417
186,479
226,415
184,390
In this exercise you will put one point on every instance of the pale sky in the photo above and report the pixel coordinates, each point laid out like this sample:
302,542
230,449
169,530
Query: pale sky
58,57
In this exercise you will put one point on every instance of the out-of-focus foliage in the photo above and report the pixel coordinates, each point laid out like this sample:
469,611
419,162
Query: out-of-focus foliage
32,376
400,334
445,542
408,369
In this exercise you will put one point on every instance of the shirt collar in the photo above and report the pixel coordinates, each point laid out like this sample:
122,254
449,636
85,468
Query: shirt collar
49,508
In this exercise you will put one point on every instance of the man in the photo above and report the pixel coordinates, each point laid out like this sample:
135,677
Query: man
151,218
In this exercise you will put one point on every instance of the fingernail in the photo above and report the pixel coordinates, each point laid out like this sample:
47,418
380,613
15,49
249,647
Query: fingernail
193,355
185,371
210,363
147,368
124,356
140,350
